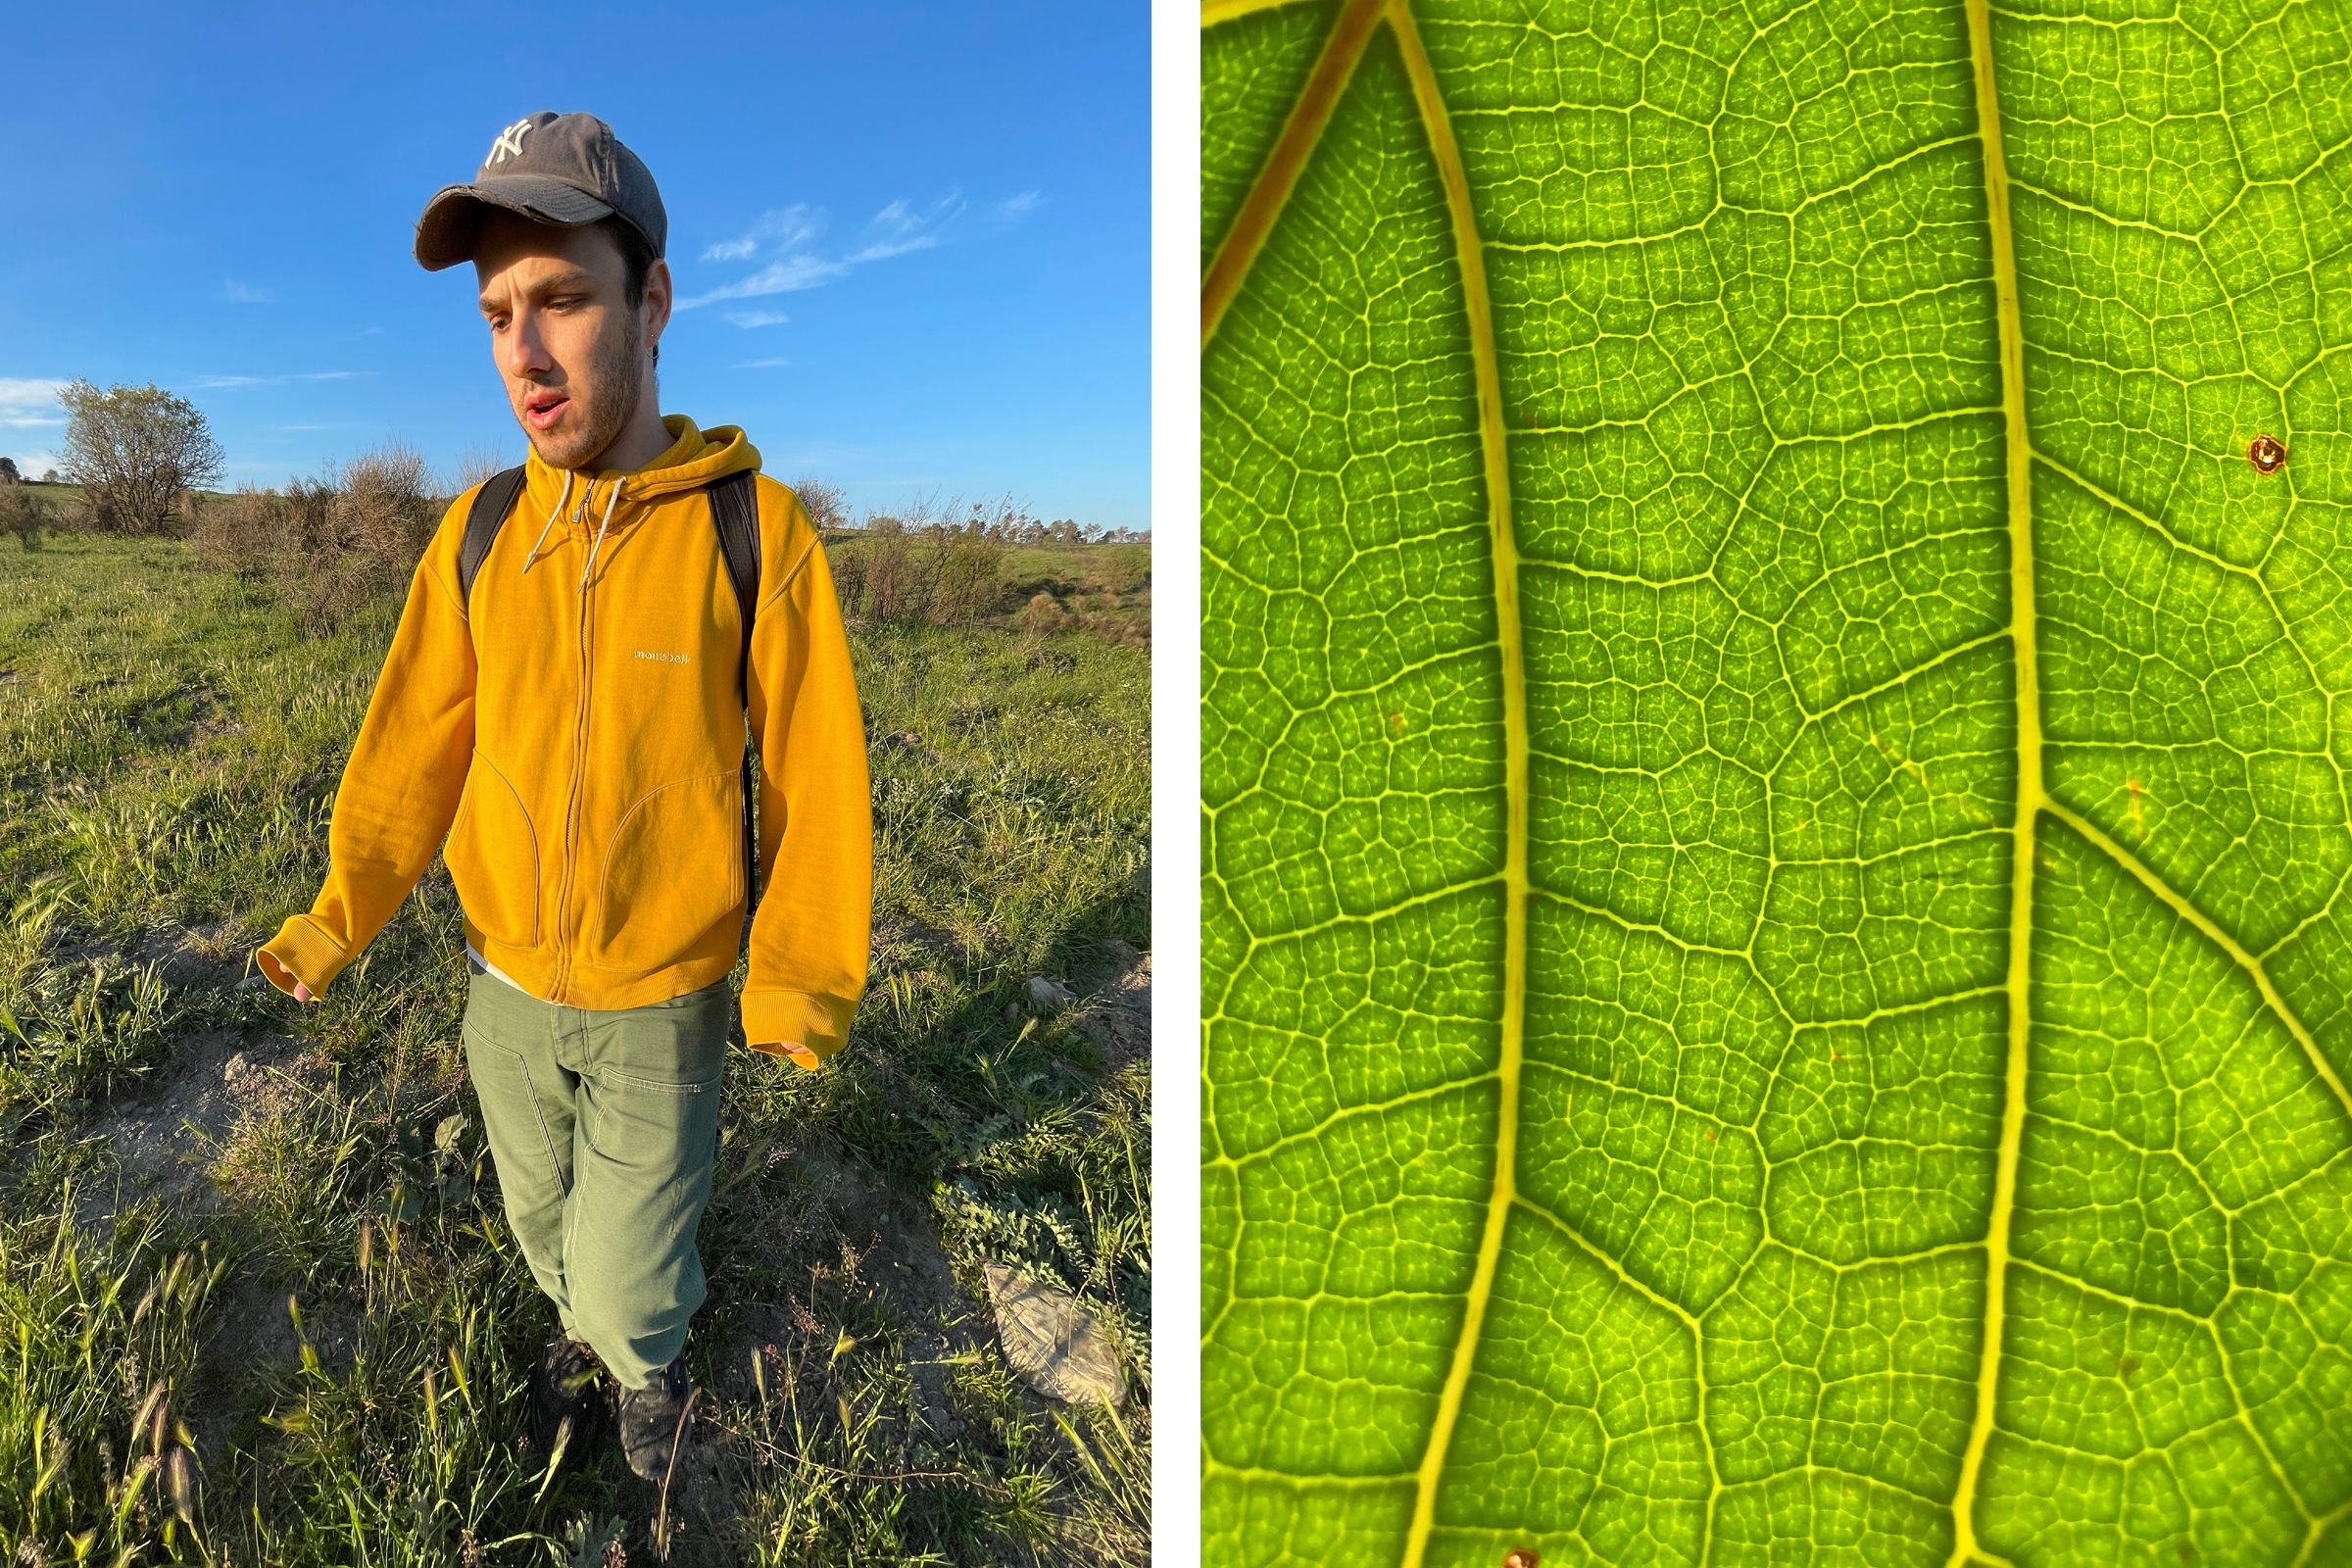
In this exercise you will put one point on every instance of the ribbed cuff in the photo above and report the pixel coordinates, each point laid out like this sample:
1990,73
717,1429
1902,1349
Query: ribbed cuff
302,951
774,1018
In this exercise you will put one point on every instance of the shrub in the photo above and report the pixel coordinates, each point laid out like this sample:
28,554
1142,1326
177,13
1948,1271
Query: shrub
967,573
348,536
946,575
474,465
387,507
1041,615
891,591
21,515
247,532
849,579
1126,568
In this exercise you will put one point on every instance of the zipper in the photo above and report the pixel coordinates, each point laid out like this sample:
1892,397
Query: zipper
566,939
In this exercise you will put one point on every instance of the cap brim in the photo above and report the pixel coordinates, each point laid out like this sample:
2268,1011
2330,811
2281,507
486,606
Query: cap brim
451,224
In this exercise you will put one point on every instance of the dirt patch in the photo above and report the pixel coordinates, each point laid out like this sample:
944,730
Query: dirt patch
188,957
163,1138
826,1212
830,1206
165,1134
253,1337
1115,1010
915,940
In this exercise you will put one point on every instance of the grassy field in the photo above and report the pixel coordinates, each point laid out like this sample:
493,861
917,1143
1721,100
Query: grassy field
258,1302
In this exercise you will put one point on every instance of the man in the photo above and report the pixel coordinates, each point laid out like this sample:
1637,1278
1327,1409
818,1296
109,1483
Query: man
569,712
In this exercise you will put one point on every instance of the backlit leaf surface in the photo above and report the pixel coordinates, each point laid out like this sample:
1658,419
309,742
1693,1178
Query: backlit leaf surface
1778,964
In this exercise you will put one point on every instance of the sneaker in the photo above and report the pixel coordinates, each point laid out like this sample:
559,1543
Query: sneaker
565,1409
654,1421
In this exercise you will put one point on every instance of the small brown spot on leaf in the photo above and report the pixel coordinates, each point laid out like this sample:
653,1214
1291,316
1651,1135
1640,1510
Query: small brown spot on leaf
1519,1558
2266,454
2126,1366
1837,1056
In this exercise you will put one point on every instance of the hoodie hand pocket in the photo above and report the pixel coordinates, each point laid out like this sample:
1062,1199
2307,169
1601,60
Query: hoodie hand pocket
492,858
673,871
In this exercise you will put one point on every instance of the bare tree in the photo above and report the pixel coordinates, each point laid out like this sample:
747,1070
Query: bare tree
132,450
474,465
827,507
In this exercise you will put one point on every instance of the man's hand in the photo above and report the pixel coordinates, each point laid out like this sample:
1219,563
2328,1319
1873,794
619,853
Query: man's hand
271,967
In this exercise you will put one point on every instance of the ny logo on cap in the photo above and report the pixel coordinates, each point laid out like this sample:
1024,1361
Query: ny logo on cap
508,144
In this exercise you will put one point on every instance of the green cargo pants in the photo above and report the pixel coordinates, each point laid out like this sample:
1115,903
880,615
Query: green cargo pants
603,1127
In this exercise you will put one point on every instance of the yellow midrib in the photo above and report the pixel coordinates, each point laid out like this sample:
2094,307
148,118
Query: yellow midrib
1479,311
1213,12
1227,271
2030,796
1271,192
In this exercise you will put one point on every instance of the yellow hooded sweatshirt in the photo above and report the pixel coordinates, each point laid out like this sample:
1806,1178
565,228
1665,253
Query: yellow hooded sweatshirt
577,734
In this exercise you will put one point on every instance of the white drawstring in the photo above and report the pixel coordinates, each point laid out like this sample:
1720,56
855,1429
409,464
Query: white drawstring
610,502
551,522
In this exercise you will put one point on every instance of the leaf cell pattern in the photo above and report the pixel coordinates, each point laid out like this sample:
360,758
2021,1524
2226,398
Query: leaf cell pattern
1777,953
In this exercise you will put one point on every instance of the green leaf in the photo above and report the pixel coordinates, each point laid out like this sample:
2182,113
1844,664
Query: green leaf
1777,947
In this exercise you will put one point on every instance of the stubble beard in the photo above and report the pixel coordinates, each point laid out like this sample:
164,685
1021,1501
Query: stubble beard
615,380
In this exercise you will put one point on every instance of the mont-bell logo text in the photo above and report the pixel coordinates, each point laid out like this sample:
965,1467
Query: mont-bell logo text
667,659
508,144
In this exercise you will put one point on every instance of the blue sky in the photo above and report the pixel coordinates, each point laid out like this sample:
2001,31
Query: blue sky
919,233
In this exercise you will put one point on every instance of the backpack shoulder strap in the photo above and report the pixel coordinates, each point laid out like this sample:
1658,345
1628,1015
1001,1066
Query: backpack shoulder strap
735,513
488,514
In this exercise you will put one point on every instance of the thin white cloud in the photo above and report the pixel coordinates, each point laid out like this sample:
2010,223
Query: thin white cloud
27,400
787,235
899,229
1028,201
760,365
785,228
218,382
758,317
32,464
883,250
793,273
238,293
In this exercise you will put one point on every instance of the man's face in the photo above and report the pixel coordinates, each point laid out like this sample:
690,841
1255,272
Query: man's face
571,352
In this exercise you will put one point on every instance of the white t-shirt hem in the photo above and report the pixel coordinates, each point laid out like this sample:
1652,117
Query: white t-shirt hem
493,970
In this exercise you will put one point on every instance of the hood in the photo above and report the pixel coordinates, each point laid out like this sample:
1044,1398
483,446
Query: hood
695,458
